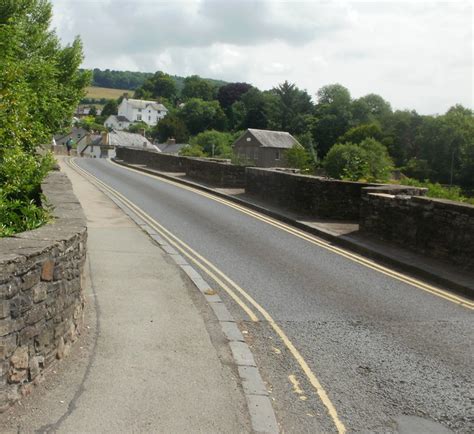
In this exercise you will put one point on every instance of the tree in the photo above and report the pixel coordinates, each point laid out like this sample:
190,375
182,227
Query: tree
199,115
196,87
255,110
370,108
361,132
346,161
171,126
214,143
292,104
369,161
230,93
159,85
299,158
40,83
333,115
110,108
40,87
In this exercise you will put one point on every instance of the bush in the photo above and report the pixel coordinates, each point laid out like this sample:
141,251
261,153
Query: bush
346,161
214,143
299,158
20,194
436,190
367,161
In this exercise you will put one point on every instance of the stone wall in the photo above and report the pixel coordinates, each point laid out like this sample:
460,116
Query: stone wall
152,159
434,227
310,195
218,174
41,299
215,173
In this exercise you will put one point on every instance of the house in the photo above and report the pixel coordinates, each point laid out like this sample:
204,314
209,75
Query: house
103,145
117,122
136,110
171,147
264,148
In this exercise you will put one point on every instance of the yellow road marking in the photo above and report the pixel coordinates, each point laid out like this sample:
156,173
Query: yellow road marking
295,353
296,384
307,237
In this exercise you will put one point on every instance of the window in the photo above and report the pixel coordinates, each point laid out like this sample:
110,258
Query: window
139,117
149,111
149,118
277,155
139,110
249,139
120,124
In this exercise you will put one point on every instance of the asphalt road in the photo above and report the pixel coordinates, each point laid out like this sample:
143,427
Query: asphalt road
390,356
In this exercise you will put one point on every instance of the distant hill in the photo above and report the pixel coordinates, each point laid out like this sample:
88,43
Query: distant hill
131,80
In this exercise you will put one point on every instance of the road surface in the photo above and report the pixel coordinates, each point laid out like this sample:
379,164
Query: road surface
340,345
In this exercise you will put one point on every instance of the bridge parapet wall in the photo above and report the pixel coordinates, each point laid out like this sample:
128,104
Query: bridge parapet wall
218,174
309,195
41,298
434,227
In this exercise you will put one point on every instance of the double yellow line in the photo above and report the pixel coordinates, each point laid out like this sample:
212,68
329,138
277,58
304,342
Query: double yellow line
461,301
226,283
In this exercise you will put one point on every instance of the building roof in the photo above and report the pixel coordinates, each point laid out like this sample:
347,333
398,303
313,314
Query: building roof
142,104
118,118
130,140
274,139
171,148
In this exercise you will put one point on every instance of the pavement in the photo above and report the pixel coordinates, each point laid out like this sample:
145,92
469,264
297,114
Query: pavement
345,234
152,356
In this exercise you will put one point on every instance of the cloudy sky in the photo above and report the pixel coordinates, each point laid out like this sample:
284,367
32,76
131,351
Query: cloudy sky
416,54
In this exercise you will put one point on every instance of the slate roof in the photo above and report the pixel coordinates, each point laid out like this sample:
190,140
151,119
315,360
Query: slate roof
142,104
274,139
171,148
124,139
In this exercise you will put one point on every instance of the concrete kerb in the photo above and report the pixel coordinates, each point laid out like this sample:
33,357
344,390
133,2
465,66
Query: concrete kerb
261,412
341,241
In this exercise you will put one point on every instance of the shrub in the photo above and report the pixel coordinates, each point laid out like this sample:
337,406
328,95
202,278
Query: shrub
436,190
299,158
368,161
346,161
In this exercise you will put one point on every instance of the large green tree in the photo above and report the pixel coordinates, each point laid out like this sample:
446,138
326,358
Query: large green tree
40,87
333,116
199,115
293,103
197,87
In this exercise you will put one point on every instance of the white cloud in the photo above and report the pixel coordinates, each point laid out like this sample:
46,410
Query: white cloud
418,55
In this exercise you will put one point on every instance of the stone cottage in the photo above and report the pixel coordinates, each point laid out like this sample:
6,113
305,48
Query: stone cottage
264,148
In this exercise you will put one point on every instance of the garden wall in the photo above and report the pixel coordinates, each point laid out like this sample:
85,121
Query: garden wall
41,299
434,227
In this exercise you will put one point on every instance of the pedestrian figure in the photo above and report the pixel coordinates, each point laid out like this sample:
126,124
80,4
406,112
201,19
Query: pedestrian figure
69,144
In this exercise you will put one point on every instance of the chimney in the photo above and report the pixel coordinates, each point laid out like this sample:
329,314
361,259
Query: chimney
171,141
105,137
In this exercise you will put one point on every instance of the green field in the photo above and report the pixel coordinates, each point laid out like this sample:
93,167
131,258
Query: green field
103,92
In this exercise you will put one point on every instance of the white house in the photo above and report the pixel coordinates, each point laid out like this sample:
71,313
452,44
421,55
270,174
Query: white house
117,122
136,110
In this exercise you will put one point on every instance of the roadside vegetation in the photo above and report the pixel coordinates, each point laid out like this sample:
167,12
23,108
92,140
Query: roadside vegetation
40,87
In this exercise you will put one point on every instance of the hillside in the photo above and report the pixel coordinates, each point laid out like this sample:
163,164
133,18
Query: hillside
131,80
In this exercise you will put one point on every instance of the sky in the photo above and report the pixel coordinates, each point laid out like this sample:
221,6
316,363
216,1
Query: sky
415,54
